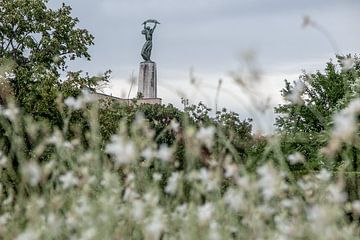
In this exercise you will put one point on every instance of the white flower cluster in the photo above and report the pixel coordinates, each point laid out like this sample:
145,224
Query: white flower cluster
295,95
80,102
122,151
345,127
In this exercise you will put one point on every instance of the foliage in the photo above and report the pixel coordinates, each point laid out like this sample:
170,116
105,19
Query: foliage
322,95
311,102
38,42
132,187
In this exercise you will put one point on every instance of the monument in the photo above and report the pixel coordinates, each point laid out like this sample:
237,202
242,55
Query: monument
147,85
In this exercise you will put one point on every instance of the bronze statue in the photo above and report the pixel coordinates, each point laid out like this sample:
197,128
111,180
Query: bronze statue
148,32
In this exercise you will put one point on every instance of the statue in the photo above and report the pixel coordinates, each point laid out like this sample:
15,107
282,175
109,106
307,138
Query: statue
148,32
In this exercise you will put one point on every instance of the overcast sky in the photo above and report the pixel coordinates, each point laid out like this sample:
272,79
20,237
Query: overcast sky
214,38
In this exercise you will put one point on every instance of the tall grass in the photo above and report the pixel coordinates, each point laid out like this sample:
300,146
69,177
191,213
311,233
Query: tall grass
131,188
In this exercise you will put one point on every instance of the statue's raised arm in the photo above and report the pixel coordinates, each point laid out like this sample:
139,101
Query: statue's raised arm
148,32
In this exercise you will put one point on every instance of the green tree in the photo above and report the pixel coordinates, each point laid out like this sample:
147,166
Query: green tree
40,42
311,102
33,35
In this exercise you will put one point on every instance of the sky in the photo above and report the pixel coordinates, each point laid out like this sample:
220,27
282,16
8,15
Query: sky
200,42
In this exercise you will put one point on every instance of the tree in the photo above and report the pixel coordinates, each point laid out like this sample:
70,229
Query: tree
311,101
39,40
313,98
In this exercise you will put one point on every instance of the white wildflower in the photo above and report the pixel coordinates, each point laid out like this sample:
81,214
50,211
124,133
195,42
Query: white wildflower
130,194
244,182
148,153
56,138
356,207
138,210
347,63
172,183
31,172
86,96
231,170
11,112
336,193
29,234
345,122
69,180
344,126
174,125
74,103
157,177
234,198
205,212
206,136
181,210
214,233
156,226
295,95
296,158
82,206
207,179
88,234
269,181
324,175
54,224
165,153
122,152
4,219
151,198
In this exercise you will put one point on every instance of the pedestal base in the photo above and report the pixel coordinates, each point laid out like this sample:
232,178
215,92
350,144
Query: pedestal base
148,80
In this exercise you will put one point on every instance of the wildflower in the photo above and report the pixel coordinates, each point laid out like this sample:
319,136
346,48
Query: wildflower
244,182
148,153
234,199
138,210
207,179
11,112
231,170
181,210
29,234
324,175
73,103
206,136
156,226
157,177
344,126
214,233
130,194
296,158
56,138
32,173
269,181
88,234
205,212
164,153
122,152
356,207
347,63
172,184
69,180
295,95
174,125
336,193
4,219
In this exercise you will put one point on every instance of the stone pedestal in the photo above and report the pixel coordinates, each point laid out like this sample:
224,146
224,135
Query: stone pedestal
148,80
